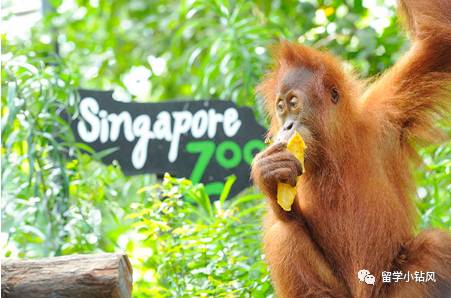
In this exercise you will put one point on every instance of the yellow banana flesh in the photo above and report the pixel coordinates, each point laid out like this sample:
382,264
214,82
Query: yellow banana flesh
285,192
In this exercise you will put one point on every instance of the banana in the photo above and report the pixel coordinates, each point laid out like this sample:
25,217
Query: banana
285,192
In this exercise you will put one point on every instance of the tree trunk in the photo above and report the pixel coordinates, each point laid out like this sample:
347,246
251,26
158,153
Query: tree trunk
93,276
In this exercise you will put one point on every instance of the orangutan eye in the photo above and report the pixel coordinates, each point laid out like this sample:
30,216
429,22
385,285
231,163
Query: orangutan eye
294,101
335,96
280,106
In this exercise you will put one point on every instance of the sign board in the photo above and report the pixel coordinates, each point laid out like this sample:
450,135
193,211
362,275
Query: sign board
205,141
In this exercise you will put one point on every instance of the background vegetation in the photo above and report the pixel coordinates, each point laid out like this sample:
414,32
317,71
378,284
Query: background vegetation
57,200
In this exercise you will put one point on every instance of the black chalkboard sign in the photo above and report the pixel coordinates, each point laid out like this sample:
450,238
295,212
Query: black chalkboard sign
205,141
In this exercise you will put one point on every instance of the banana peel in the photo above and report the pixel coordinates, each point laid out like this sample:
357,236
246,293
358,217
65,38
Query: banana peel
285,192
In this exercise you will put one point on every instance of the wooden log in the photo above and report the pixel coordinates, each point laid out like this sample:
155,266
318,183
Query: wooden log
93,276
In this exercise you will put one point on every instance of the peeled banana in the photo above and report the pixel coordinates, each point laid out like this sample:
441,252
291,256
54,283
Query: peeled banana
285,192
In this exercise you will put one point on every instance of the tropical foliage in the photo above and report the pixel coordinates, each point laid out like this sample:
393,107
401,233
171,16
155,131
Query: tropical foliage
56,199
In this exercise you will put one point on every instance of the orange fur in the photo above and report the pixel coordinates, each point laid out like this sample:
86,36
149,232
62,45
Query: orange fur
354,208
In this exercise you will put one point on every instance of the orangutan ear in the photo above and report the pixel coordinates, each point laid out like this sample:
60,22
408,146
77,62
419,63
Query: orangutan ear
334,95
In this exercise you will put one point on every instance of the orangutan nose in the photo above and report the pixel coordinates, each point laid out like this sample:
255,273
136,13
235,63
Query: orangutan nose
288,125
